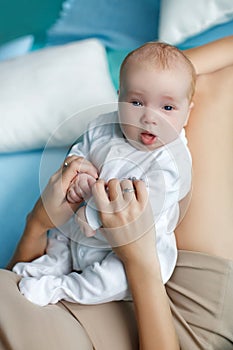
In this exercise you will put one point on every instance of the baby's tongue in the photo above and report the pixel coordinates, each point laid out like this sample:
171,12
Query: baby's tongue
147,139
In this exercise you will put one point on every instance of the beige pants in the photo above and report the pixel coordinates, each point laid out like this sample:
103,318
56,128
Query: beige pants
201,299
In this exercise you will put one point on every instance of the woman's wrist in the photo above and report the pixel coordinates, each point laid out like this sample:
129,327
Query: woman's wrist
35,227
32,243
147,269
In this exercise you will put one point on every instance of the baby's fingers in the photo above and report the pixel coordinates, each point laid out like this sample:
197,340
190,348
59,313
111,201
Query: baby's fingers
72,196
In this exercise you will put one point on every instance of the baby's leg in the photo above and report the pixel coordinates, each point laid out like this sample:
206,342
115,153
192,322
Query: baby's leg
99,282
56,261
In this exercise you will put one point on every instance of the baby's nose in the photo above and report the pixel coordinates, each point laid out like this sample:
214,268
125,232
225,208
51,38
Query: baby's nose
149,117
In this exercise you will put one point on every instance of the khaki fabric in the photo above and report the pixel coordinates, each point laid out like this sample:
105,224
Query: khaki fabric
201,299
109,326
25,326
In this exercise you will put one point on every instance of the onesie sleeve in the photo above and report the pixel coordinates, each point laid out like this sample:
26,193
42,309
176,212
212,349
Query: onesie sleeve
98,132
82,147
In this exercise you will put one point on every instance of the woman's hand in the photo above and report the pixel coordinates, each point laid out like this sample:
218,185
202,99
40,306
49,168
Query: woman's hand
127,219
52,209
128,225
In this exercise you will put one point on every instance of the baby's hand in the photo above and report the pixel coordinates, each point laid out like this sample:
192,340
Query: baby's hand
80,188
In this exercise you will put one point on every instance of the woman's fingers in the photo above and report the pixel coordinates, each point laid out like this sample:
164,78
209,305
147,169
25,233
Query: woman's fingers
124,210
80,165
114,190
127,189
100,195
113,196
141,191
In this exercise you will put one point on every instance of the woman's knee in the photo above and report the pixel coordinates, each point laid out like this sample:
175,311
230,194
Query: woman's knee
9,280
20,320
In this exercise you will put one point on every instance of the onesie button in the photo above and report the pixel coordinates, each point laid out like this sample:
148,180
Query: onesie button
81,253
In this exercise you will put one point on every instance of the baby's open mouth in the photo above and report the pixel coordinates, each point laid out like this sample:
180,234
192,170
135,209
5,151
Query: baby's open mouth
147,138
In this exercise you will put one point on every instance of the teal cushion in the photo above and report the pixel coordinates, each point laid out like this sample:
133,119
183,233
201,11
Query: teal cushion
22,17
115,58
119,24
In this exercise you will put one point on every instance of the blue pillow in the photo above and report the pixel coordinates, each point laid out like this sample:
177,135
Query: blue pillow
214,33
119,24
22,175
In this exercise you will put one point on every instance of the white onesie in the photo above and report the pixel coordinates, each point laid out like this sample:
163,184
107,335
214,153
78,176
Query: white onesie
85,269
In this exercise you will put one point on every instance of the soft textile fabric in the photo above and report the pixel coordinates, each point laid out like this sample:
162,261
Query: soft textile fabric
201,300
217,32
52,277
16,47
118,24
25,326
200,293
167,173
182,19
41,90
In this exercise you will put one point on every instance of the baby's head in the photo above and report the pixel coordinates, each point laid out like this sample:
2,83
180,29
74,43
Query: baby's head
156,87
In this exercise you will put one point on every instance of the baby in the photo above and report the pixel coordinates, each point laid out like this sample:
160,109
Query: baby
144,139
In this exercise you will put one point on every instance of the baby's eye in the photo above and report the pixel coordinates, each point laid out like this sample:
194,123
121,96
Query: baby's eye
168,108
136,103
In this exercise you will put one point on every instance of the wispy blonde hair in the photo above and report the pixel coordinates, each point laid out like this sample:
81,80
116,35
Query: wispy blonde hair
161,55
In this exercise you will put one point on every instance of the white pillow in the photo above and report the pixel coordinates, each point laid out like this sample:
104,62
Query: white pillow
181,19
40,90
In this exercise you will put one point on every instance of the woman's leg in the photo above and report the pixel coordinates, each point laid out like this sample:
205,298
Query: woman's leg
200,293
25,326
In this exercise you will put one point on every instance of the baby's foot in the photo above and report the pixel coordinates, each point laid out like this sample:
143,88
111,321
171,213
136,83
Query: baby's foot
41,291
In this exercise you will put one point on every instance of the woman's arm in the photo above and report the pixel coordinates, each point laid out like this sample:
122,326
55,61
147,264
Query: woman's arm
51,210
155,324
154,319
212,56
128,224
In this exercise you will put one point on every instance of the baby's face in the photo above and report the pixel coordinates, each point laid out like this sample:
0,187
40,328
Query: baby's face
153,104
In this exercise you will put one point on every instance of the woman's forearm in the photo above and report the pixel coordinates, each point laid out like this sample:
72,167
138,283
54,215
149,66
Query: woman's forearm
139,256
31,245
154,318
51,210
212,56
